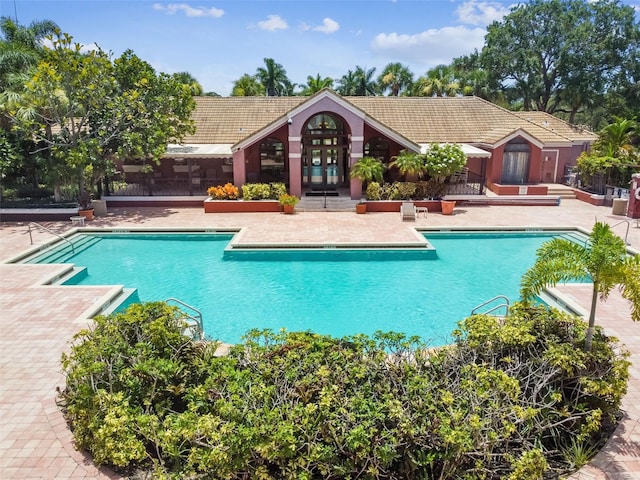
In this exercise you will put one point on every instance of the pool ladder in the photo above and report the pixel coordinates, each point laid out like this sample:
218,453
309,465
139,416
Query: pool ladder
194,328
505,304
34,224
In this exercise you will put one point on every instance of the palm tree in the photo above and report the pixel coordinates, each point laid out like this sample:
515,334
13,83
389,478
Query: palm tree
315,84
396,78
21,47
365,84
247,86
347,84
614,140
187,79
409,163
368,169
603,260
438,82
274,78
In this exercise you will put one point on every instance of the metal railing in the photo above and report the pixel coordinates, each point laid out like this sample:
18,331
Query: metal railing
505,304
193,319
627,234
51,232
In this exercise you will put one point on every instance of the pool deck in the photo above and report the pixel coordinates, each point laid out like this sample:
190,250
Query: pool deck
38,321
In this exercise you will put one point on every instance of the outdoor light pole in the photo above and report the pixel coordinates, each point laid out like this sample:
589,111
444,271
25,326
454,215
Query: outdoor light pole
326,172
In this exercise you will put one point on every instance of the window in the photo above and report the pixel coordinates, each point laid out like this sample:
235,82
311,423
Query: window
378,148
515,163
272,164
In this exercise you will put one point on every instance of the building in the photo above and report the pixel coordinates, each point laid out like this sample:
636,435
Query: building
310,143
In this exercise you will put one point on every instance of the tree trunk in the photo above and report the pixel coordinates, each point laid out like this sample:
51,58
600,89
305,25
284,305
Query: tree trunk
592,318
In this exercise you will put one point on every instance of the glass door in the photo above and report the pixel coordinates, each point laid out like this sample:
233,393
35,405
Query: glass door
322,167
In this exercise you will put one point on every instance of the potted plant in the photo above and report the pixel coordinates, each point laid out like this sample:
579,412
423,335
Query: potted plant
361,207
85,206
288,202
367,169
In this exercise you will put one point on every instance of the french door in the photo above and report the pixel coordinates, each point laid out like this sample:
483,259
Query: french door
323,167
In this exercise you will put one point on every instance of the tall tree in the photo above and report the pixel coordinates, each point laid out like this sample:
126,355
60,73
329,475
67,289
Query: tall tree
315,84
274,78
396,78
187,79
560,55
82,108
603,260
365,85
21,47
438,82
347,84
247,86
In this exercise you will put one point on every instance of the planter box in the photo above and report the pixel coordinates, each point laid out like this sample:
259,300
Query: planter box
241,206
394,205
500,189
592,198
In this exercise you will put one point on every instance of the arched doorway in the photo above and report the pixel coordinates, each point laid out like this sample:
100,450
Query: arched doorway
325,150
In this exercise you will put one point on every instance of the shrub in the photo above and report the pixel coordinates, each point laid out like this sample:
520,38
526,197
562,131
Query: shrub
257,191
373,191
503,401
406,190
227,191
277,189
444,160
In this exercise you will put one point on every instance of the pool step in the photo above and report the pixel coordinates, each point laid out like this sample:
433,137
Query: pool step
126,297
61,254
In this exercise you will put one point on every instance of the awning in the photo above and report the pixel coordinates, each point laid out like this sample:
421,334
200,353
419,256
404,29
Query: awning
469,150
193,150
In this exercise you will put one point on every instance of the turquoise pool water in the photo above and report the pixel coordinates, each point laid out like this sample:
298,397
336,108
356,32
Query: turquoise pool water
334,292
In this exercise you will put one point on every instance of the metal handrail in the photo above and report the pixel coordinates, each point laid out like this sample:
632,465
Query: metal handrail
196,317
506,305
51,232
627,234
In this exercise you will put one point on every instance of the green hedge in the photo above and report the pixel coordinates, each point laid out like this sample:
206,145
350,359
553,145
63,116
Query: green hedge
263,191
517,399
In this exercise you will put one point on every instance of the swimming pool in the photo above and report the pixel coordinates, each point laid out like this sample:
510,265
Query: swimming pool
337,292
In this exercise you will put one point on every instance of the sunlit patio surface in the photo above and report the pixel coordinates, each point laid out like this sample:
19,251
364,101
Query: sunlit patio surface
37,322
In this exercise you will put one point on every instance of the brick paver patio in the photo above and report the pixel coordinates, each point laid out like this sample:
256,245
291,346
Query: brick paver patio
38,321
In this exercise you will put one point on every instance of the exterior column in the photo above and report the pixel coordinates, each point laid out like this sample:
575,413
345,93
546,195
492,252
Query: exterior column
239,170
633,208
357,152
295,158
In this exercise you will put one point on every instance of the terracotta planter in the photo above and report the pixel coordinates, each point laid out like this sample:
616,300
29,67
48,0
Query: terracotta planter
288,209
87,214
361,208
447,207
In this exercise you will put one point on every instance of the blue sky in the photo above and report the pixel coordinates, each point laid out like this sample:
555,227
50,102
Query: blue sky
219,41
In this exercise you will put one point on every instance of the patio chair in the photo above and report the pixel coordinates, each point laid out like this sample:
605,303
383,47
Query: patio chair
408,211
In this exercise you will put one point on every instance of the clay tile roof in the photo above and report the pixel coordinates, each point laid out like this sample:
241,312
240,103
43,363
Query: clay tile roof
558,126
230,119
419,119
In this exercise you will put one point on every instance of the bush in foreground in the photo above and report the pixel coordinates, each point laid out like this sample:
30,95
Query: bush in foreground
517,400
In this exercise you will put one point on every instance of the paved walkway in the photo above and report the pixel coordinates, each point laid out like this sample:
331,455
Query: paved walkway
38,321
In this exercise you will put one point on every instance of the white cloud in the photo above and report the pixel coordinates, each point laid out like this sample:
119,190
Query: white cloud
474,12
430,47
273,23
328,26
189,11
